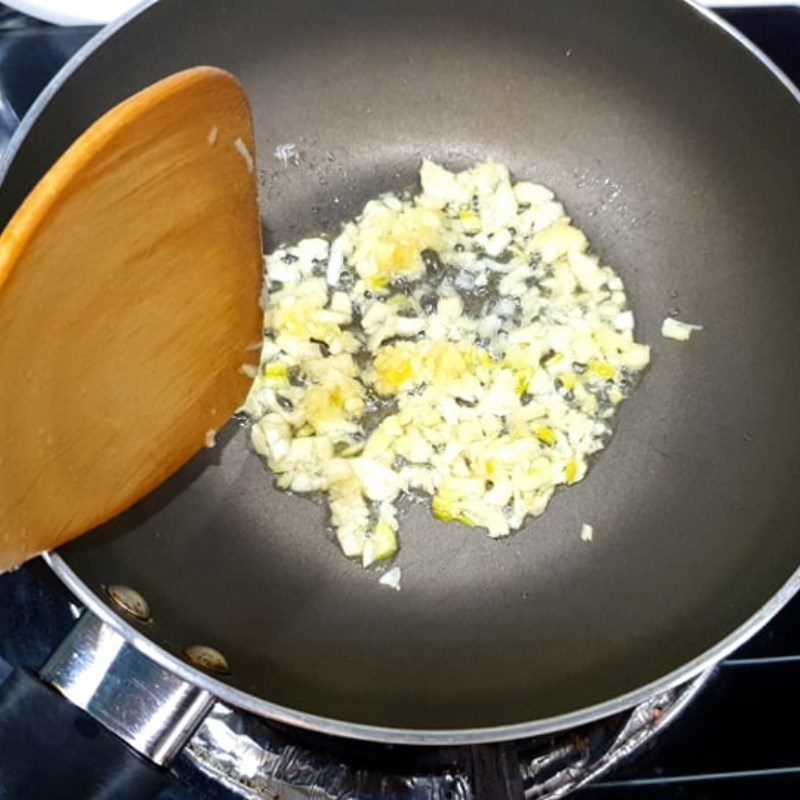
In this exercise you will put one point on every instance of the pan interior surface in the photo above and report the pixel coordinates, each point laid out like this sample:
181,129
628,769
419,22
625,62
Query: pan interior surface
675,150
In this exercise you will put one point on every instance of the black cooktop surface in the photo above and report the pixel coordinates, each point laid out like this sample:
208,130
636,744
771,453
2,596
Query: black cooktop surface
737,739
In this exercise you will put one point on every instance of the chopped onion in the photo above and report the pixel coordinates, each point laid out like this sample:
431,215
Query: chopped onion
475,354
244,152
391,578
675,329
335,262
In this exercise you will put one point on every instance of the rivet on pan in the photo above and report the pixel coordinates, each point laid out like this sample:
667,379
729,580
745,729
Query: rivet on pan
130,601
208,659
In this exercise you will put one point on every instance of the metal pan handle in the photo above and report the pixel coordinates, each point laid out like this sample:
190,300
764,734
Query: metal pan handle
49,748
102,720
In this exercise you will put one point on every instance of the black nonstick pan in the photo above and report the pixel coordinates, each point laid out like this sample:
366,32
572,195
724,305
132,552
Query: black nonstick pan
676,148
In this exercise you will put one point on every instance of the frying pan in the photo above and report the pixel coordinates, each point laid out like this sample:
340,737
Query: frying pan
674,145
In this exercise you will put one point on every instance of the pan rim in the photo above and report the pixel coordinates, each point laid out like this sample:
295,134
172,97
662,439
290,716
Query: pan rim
239,699
334,727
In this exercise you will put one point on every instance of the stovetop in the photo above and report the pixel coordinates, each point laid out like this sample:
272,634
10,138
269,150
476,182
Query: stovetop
736,738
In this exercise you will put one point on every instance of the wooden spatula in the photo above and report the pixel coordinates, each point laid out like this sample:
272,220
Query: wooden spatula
129,284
